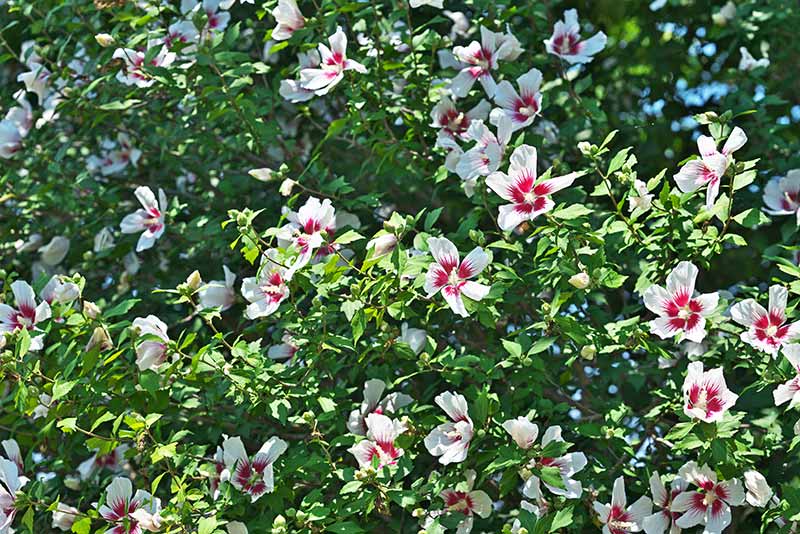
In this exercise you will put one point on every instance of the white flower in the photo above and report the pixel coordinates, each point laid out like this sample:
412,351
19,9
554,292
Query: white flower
566,40
416,338
782,195
12,482
521,107
710,504
767,330
568,465
758,491
129,513
266,291
10,139
642,200
133,74
748,62
149,219
64,516
679,309
381,435
43,408
663,519
289,19
617,517
790,391
522,431
56,250
705,394
218,293
451,276
151,353
373,391
463,499
478,60
252,476
26,315
59,291
450,441
334,63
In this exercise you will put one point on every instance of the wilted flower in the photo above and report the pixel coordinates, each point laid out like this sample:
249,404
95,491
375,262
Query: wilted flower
678,308
26,315
334,63
121,508
150,353
252,476
711,166
766,329
289,19
725,14
100,339
528,198
450,441
566,40
104,239
617,517
148,219
373,390
452,277
710,504
705,394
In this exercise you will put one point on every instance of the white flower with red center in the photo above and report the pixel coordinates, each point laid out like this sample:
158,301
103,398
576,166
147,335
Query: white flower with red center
452,277
782,196
122,507
790,391
711,166
528,198
183,32
333,65
216,18
218,293
566,40
293,90
152,352
26,315
453,123
479,60
379,445
57,290
463,499
664,519
373,403
711,504
254,476
568,465
289,19
149,219
521,107
679,309
221,473
304,233
134,60
705,394
522,431
617,517
10,483
450,441
767,330
266,291
487,153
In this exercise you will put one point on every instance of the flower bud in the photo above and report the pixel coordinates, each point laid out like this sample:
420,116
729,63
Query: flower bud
586,148
309,417
418,512
2,341
104,39
100,338
194,281
91,310
382,245
72,482
580,280
286,187
262,175
588,352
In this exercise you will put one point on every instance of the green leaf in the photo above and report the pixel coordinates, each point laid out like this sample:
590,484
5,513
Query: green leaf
82,526
562,519
207,525
118,105
60,389
572,212
744,179
552,477
349,236
121,309
346,527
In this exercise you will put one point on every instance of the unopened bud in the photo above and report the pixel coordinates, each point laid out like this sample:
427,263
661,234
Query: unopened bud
194,281
580,280
309,417
286,187
101,339
262,175
72,482
588,352
586,148
104,39
418,512
91,310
